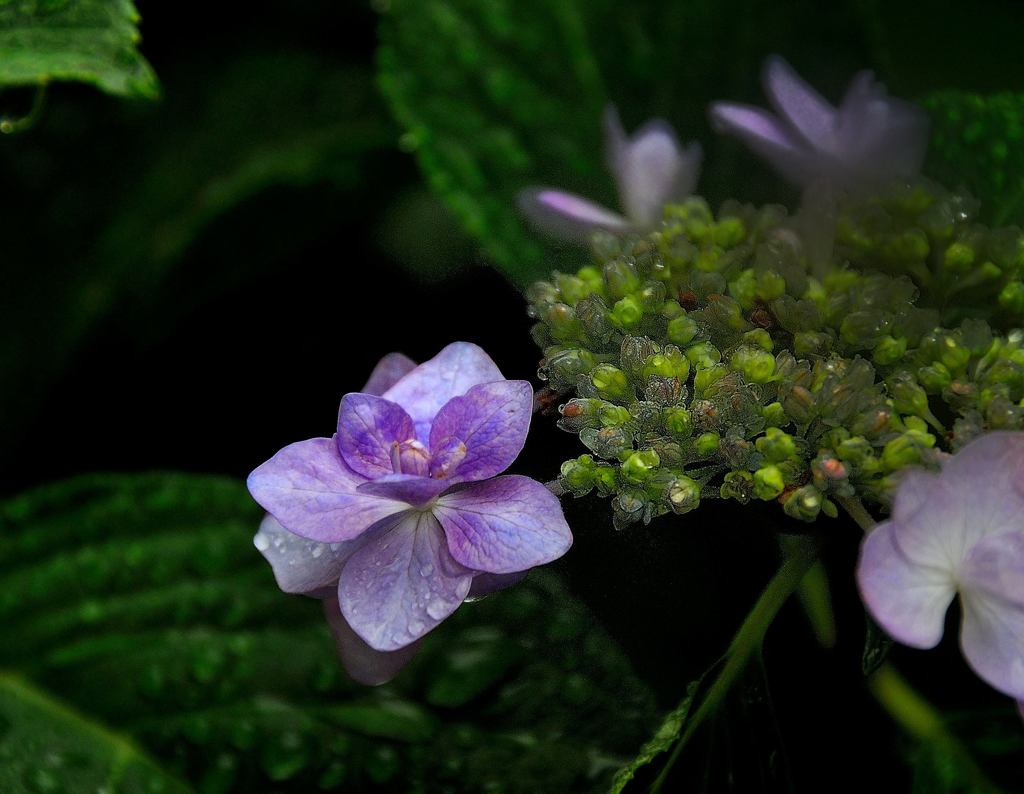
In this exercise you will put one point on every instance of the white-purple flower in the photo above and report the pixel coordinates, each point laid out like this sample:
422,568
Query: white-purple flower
870,138
651,169
401,512
957,531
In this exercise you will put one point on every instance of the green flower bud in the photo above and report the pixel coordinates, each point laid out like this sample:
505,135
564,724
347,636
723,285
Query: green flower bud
639,466
759,338
578,475
1011,297
812,343
804,504
580,412
683,495
573,288
708,258
561,319
774,415
703,378
671,363
592,278
757,365
959,257
542,292
953,355
889,350
907,396
620,278
562,368
738,485
627,313
863,328
703,355
776,445
611,383
671,309
768,482
770,285
605,479
743,288
855,450
729,232
707,444
614,415
681,330
678,421
905,450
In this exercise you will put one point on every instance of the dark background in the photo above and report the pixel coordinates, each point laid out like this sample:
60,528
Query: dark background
283,302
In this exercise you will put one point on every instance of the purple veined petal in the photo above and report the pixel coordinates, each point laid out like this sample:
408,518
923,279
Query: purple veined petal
479,434
387,373
451,373
484,584
810,114
992,594
371,434
402,582
568,216
309,489
767,137
412,489
363,664
302,566
906,599
504,525
988,476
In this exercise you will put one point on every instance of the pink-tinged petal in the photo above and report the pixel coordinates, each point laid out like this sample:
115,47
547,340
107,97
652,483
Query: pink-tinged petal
479,434
568,216
504,525
451,373
412,489
365,665
906,599
302,566
387,373
371,434
309,489
992,594
805,109
930,520
402,583
767,137
486,583
651,168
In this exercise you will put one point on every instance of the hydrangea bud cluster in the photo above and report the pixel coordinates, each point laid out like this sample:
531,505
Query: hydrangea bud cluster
705,360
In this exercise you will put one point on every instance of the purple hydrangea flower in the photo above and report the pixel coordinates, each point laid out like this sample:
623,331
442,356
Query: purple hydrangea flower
870,138
400,517
958,531
651,169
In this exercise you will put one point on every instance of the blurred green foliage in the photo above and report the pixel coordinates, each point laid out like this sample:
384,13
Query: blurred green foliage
141,602
92,41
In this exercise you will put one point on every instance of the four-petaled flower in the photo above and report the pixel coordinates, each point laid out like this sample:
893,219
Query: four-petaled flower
650,168
870,138
958,531
401,512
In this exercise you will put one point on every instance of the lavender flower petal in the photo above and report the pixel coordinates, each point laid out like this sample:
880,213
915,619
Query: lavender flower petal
371,434
479,434
907,599
451,373
766,136
566,215
484,584
388,372
504,525
364,664
651,168
413,489
302,566
992,593
402,582
810,114
309,489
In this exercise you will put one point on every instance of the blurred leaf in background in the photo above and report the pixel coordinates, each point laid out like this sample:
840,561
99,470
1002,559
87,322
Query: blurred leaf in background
91,41
142,603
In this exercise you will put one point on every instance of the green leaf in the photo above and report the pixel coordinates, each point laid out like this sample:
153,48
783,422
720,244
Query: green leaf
978,143
669,731
91,41
47,747
141,601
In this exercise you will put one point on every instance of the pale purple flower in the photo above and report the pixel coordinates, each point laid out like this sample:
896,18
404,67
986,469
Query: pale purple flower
400,517
870,138
651,169
957,531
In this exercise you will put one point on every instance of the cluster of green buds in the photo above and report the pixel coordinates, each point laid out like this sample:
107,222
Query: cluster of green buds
712,358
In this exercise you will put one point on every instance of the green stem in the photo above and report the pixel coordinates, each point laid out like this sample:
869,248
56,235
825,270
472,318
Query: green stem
746,642
920,719
857,511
